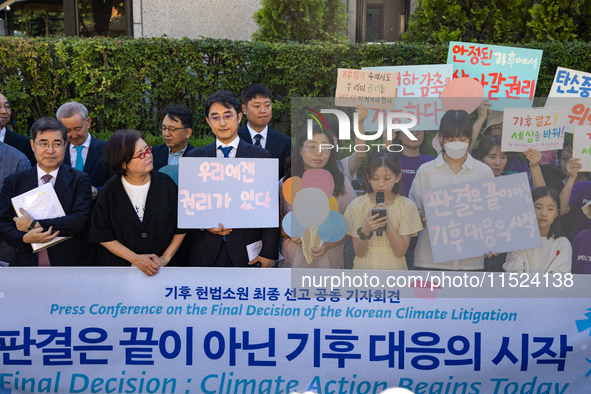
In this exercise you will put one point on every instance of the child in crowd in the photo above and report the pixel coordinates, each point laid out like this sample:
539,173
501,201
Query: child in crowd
565,154
402,221
453,166
582,248
308,155
555,253
573,197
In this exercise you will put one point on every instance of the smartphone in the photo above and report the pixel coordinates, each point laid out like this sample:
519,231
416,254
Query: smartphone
382,213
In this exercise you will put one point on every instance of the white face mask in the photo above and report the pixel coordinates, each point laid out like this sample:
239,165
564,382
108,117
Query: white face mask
456,150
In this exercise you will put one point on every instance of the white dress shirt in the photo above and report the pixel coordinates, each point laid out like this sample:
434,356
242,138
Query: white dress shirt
233,144
74,154
262,134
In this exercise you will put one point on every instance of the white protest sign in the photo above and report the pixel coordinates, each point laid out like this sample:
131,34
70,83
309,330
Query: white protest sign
541,129
572,88
375,89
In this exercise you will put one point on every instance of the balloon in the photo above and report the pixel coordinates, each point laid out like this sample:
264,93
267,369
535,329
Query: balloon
321,179
310,207
462,93
171,171
334,228
291,226
436,144
333,204
291,187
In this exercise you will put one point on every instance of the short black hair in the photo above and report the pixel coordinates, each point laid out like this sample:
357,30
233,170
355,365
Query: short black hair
225,98
179,113
45,124
383,158
455,124
252,91
120,149
486,144
545,191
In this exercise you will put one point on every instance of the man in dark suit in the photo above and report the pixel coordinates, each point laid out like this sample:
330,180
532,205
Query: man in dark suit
258,109
48,142
9,137
223,247
177,127
83,151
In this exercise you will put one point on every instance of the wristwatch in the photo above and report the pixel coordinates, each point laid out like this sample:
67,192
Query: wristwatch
33,224
362,236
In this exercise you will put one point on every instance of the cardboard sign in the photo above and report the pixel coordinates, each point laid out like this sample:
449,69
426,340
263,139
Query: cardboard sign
242,331
571,87
582,147
419,90
375,89
471,219
238,193
538,128
506,73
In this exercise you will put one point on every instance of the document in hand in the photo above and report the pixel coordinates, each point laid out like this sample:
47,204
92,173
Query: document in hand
40,203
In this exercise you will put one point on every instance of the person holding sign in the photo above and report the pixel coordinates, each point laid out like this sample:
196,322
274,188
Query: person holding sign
454,165
573,198
135,215
555,253
225,247
375,248
313,156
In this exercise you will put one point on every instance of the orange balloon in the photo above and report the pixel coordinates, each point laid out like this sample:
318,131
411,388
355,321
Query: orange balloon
333,204
291,187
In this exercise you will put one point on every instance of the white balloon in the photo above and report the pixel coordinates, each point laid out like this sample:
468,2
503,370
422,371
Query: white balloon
310,207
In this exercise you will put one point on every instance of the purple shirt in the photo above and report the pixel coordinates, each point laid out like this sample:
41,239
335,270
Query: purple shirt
582,253
409,166
579,197
516,166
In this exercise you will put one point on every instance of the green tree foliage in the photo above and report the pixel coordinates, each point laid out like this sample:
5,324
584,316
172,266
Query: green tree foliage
560,20
491,21
300,20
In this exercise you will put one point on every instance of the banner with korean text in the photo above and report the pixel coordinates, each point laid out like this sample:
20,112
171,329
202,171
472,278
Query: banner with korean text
418,91
471,219
236,331
582,147
375,89
572,88
541,129
238,193
506,73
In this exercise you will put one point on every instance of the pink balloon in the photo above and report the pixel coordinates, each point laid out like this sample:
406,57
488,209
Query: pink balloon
320,179
462,93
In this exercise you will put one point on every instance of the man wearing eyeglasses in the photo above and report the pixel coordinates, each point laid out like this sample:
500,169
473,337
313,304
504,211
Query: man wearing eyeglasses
9,137
177,127
72,187
224,247
83,152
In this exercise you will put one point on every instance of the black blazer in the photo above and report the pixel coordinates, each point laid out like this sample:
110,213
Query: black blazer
278,144
205,245
21,143
93,166
114,218
160,155
73,190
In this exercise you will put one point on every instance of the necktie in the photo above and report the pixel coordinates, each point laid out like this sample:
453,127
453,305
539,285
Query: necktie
226,150
79,160
257,141
42,256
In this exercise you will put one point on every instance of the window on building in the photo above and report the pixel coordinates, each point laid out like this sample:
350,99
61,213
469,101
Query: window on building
60,18
381,20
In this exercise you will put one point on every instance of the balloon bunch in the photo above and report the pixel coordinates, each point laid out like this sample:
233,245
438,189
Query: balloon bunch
315,217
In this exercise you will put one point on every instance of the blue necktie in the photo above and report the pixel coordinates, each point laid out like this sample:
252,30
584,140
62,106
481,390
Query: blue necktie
257,141
79,161
226,151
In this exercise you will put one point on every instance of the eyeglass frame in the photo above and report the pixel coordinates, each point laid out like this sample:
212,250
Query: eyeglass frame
143,155
227,118
46,145
172,129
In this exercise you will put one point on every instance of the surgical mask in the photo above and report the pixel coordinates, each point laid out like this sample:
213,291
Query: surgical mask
456,150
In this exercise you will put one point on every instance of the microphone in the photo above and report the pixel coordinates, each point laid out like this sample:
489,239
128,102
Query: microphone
381,211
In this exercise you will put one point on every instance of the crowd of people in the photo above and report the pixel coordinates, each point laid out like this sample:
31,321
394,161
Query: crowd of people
121,207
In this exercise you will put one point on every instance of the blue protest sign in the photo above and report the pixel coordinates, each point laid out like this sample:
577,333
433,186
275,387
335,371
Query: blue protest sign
506,73
470,219
238,193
